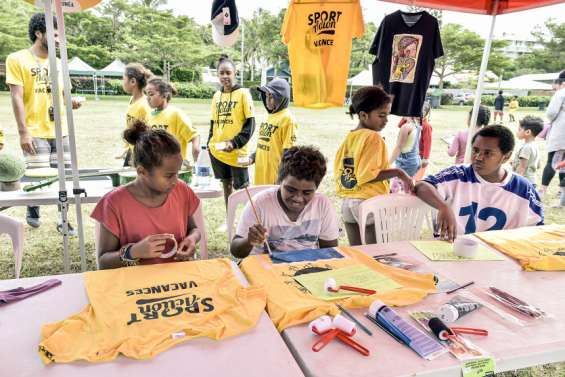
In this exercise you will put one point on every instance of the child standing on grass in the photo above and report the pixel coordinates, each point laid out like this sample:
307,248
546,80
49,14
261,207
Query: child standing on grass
276,134
231,126
170,118
527,160
361,167
134,81
459,143
512,107
138,219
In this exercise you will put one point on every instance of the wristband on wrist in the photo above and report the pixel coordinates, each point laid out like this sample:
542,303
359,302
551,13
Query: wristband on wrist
125,255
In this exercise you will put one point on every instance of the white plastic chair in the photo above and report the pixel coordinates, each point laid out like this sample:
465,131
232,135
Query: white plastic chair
14,229
240,198
397,217
200,224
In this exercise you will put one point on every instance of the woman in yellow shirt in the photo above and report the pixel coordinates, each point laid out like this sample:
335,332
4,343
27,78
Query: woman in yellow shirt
134,81
169,117
231,126
361,167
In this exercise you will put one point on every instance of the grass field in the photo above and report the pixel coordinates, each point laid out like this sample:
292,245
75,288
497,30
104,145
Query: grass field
99,124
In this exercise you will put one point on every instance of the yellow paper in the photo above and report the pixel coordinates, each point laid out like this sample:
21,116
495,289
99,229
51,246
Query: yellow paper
359,276
443,251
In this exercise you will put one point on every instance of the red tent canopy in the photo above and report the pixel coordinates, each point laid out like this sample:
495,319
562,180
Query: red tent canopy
480,6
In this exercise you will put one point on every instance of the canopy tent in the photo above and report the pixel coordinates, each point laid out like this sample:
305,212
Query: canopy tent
489,7
78,67
114,69
68,6
518,83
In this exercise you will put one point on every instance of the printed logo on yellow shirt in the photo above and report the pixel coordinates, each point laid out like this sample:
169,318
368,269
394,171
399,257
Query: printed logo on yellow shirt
266,132
224,109
41,77
168,306
323,24
348,179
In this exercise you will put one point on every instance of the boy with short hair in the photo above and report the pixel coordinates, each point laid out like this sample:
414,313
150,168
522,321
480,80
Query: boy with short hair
527,160
484,195
276,134
292,216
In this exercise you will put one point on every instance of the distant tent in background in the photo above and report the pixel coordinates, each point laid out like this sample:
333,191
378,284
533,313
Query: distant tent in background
77,67
114,69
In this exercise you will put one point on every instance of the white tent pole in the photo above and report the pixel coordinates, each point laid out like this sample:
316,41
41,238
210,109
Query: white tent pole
484,64
55,90
242,47
77,191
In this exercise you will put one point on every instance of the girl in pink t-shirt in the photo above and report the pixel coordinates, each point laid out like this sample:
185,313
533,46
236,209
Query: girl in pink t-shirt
139,220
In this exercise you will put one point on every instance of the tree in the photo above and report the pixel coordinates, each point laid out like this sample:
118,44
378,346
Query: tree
14,18
152,3
360,57
551,55
160,40
463,51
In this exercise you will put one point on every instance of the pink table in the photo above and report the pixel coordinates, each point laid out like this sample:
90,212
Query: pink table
512,346
259,352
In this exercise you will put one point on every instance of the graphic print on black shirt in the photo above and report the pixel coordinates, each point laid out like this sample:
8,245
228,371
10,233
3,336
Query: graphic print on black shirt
405,59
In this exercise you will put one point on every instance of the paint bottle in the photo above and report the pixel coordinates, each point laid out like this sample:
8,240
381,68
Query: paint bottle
455,309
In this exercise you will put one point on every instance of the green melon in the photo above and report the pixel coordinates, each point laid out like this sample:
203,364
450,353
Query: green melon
12,168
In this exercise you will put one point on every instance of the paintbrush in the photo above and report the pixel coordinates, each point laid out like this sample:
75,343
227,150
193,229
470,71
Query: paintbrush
351,317
257,218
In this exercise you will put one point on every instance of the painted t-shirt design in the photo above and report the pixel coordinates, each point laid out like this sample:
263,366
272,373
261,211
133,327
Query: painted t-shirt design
405,53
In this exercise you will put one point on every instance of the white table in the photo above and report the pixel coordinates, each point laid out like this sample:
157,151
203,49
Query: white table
259,352
513,347
95,190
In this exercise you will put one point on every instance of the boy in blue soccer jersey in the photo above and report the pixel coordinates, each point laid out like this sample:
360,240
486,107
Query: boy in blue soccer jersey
484,195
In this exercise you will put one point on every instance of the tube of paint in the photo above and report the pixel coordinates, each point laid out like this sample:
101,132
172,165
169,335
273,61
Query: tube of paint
456,308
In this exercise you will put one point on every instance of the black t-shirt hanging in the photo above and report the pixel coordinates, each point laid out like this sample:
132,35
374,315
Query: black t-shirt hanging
405,59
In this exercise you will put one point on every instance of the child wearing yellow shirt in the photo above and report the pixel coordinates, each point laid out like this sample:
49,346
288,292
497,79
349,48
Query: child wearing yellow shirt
232,124
512,107
361,168
170,118
276,134
134,81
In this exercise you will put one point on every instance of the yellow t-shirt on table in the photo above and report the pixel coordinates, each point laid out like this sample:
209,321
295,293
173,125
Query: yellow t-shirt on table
142,311
358,161
318,34
32,73
276,134
229,113
175,122
536,248
289,303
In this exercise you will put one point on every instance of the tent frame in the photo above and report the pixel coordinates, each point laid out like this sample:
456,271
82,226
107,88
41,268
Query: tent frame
54,78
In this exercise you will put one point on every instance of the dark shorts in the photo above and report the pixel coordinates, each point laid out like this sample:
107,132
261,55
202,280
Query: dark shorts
238,176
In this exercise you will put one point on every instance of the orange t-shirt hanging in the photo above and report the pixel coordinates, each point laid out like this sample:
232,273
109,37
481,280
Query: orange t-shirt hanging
318,34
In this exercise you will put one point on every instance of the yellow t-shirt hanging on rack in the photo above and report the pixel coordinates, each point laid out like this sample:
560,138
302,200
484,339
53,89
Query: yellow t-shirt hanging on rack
318,34
358,161
142,311
276,134
32,73
229,113
175,122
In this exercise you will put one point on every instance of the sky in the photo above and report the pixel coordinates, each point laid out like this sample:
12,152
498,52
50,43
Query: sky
519,23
